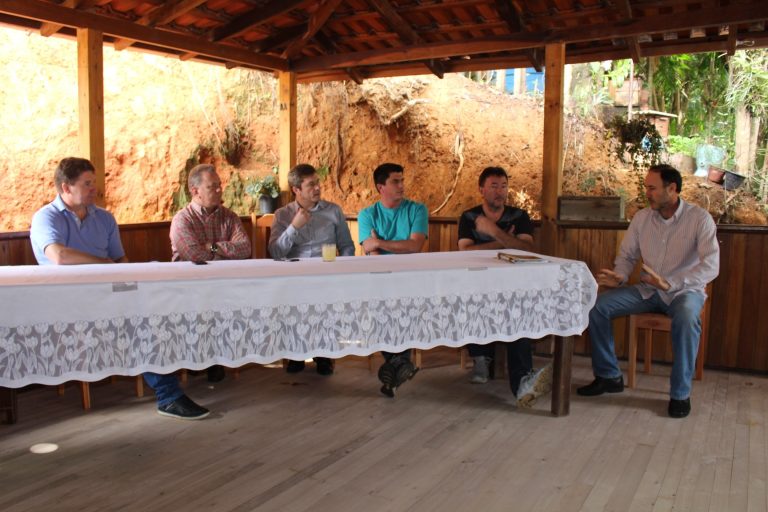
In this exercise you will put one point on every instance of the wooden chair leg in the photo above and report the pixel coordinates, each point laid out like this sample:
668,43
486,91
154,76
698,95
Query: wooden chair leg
183,376
370,363
236,373
139,380
648,348
632,353
85,391
60,389
463,358
417,358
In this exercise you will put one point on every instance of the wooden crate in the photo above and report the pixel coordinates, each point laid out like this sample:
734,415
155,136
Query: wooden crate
606,208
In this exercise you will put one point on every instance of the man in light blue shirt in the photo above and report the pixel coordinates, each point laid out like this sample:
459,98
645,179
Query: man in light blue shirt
302,227
393,225
72,230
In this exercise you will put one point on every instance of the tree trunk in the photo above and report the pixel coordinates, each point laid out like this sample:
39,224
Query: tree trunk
741,139
764,178
753,136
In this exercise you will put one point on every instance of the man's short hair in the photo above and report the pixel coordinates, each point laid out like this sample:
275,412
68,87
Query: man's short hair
297,175
668,175
492,171
196,175
69,170
382,172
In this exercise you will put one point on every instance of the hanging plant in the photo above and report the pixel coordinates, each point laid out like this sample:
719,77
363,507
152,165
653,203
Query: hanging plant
637,143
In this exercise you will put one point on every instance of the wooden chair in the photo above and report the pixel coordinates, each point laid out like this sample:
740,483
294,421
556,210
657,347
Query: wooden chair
659,322
85,390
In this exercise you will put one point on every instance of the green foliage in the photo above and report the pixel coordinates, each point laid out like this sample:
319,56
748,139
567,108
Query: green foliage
684,145
235,197
749,84
323,171
638,143
263,186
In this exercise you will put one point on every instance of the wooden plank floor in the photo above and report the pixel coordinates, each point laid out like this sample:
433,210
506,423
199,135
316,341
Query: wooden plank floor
304,442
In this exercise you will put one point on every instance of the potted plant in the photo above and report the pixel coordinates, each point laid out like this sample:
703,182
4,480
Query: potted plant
266,189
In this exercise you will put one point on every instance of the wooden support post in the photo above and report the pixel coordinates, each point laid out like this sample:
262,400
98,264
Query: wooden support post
287,99
90,83
518,87
552,180
561,376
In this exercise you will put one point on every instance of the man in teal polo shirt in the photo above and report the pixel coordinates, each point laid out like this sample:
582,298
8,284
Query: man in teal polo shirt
393,225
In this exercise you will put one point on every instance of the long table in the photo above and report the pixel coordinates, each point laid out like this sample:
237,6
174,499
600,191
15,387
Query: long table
89,322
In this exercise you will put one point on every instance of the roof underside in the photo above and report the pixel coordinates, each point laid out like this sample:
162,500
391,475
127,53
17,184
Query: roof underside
358,39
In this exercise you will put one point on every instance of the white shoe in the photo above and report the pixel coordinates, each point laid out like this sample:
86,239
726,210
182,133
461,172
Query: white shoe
480,370
536,383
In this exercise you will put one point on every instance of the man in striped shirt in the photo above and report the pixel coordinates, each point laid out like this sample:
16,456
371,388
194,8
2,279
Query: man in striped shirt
678,246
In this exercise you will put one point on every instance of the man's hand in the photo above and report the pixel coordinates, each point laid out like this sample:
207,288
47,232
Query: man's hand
654,279
371,244
486,226
301,218
608,278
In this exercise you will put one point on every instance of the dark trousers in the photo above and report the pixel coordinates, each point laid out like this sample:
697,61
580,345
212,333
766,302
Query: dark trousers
519,358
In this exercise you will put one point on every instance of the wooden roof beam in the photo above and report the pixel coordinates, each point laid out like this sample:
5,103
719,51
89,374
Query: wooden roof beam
54,13
405,31
48,29
330,46
632,43
254,18
160,16
714,16
733,31
316,22
282,37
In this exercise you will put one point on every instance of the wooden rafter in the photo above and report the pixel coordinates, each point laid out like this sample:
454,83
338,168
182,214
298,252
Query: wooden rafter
653,24
329,46
316,22
733,32
403,29
254,18
48,29
160,16
515,23
279,39
53,13
632,43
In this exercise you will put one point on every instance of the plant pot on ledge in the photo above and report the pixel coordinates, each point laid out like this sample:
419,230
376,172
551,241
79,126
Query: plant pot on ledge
716,175
733,180
267,204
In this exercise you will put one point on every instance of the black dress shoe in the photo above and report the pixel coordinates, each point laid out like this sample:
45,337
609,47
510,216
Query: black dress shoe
216,373
602,385
324,366
679,408
294,366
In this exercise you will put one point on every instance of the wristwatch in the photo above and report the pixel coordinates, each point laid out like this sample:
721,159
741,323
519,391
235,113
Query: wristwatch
214,249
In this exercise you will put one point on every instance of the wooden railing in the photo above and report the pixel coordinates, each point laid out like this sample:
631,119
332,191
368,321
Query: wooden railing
738,322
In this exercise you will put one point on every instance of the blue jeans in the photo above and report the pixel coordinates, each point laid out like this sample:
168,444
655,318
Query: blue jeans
166,387
684,311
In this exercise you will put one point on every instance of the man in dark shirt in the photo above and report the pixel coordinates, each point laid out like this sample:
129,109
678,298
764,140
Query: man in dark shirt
496,225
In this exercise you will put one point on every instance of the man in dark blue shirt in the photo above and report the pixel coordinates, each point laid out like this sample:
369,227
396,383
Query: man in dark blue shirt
496,225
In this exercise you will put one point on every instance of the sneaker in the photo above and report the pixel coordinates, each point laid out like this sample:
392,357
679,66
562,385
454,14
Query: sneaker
532,386
324,366
602,385
183,408
679,408
294,366
480,371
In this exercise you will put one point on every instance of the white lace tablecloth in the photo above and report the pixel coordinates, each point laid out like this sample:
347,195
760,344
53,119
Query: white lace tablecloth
91,321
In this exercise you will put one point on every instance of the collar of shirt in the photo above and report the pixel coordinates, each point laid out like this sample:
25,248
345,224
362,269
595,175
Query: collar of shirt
59,204
205,212
675,216
319,206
